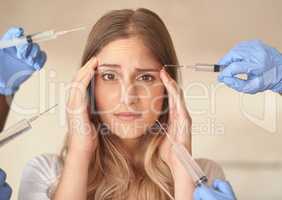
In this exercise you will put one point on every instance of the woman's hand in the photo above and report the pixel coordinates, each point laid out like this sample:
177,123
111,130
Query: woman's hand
82,138
179,130
179,124
82,133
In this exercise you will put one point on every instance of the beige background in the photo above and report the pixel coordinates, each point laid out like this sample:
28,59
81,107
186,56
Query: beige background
242,133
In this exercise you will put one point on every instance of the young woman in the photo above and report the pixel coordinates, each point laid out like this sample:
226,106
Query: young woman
114,148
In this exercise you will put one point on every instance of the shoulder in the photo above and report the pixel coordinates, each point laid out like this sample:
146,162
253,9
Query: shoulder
212,169
45,160
39,177
42,166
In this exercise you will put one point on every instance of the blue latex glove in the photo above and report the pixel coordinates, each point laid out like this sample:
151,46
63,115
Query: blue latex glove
18,63
261,63
220,190
5,190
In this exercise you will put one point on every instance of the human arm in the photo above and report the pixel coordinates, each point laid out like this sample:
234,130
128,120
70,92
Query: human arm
17,64
179,130
81,138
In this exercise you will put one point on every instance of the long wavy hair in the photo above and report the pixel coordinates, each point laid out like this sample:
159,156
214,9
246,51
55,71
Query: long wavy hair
111,173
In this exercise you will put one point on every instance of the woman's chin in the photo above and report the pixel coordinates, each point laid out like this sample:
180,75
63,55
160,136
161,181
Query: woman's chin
128,132
129,135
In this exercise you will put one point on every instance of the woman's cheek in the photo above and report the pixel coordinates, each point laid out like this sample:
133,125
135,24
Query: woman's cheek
153,105
107,97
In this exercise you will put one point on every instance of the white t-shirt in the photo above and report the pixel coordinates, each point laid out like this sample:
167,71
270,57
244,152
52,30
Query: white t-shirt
40,176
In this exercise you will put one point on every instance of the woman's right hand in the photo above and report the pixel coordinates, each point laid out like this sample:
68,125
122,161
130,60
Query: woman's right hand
82,132
82,138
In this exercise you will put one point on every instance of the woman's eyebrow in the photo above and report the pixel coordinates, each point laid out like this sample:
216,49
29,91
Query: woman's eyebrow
137,69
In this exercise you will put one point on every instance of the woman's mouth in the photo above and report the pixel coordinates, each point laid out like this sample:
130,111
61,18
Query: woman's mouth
127,116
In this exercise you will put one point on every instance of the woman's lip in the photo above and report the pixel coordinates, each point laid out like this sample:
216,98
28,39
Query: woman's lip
127,116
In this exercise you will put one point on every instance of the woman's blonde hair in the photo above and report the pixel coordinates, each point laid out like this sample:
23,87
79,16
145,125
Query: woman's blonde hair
111,173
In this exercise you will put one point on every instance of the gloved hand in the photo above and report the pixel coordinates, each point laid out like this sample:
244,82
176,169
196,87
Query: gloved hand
220,190
5,190
18,63
261,63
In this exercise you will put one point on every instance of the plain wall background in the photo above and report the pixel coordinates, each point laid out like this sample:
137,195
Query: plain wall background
241,132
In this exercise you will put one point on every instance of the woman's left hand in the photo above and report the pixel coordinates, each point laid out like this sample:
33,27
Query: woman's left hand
179,122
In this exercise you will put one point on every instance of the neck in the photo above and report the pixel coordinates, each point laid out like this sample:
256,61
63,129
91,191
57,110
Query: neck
135,150
131,145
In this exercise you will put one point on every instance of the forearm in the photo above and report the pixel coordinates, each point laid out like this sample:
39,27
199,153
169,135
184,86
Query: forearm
73,182
183,183
184,188
5,102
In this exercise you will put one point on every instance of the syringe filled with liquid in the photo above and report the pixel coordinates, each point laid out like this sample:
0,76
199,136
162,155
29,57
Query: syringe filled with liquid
200,67
19,128
37,37
187,161
204,67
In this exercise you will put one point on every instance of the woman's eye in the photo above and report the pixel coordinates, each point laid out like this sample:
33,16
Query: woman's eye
108,76
112,77
147,77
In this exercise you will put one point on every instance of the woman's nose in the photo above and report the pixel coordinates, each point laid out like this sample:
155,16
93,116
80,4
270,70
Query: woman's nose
129,94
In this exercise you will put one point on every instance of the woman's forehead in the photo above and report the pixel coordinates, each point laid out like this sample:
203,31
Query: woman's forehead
127,53
154,68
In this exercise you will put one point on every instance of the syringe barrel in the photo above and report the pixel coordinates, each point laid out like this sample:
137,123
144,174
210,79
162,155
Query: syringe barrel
189,163
38,37
204,67
14,131
46,35
207,67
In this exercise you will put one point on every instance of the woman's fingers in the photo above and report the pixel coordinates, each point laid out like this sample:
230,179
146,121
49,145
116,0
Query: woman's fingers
170,83
179,119
170,91
77,102
175,93
87,71
83,78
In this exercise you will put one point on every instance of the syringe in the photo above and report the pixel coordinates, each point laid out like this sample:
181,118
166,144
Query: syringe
37,37
19,128
192,168
200,67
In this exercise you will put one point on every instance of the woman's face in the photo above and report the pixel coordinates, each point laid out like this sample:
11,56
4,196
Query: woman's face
128,80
